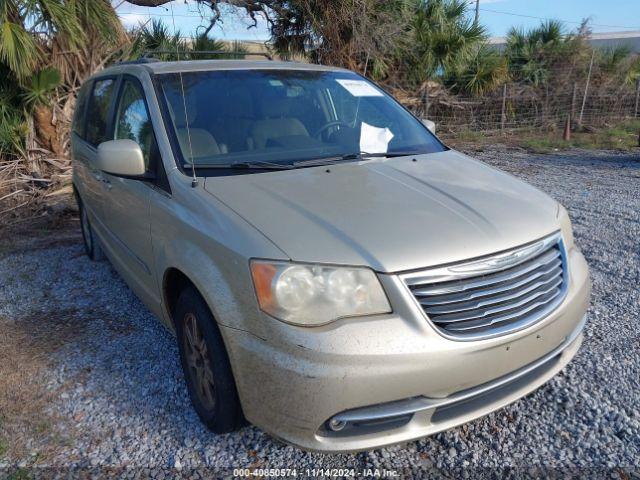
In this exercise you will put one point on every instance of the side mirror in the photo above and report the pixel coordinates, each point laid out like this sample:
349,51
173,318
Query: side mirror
121,158
429,124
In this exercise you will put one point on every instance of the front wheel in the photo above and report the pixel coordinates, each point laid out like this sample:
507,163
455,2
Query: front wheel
206,366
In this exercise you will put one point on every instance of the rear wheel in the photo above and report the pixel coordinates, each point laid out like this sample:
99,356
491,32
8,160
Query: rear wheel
206,365
91,243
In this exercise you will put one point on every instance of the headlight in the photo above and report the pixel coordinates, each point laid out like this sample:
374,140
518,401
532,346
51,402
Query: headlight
565,227
316,294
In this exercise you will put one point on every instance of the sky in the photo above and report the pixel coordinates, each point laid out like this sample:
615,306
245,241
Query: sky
498,16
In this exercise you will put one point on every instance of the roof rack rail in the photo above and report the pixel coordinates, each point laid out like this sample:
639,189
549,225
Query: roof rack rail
138,61
205,52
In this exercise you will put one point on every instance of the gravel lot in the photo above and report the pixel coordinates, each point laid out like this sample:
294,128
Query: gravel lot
115,395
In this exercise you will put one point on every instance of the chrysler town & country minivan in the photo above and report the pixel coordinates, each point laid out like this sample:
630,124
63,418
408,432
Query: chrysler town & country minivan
334,274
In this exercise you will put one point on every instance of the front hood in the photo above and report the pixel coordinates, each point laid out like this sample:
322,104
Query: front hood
390,214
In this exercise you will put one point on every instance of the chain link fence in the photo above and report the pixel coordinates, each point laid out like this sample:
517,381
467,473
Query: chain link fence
589,101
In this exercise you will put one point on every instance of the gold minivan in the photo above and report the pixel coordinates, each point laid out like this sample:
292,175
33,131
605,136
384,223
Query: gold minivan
334,273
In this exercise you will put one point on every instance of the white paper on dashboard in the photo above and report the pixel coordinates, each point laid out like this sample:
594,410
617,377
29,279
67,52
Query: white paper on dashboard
359,88
374,139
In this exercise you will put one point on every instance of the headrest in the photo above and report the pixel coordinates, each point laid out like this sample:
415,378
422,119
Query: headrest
275,107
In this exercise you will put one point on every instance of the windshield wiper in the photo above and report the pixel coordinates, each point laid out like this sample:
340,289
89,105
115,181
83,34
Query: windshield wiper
242,166
351,156
326,160
260,165
391,154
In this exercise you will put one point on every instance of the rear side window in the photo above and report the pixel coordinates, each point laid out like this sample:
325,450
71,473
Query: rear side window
99,110
81,106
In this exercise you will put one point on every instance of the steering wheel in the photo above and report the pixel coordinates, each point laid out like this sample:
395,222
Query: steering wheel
328,125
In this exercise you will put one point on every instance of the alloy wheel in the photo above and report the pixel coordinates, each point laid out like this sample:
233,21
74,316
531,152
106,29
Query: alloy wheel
198,361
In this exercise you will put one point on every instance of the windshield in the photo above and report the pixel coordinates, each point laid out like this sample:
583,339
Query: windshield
286,117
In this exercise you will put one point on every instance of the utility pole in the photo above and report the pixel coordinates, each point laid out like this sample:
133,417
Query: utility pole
477,12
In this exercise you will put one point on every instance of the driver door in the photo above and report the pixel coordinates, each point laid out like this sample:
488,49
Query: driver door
126,204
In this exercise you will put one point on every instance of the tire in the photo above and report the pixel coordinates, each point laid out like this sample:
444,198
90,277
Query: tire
91,243
212,391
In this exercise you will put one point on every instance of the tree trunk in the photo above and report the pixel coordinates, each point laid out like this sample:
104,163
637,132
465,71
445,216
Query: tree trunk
46,131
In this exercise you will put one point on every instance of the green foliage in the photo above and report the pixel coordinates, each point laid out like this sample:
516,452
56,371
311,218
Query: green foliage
632,75
157,38
622,137
13,132
619,63
203,43
96,17
57,17
611,59
157,41
28,28
533,55
18,49
41,85
444,37
13,126
486,71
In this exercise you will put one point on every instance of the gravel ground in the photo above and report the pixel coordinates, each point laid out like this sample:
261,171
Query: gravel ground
119,397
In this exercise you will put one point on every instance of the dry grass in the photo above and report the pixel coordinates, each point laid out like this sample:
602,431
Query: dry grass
31,186
28,429
622,136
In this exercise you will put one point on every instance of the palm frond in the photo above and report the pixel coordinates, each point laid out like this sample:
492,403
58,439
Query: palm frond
42,84
486,71
611,59
13,132
59,18
18,49
445,38
98,17
203,43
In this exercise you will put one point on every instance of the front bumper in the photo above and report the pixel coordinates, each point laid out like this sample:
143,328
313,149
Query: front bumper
294,380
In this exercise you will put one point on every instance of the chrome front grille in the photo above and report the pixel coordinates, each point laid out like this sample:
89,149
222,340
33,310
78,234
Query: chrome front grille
493,295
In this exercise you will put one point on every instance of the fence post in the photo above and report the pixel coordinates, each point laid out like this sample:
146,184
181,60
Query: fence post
426,99
566,136
573,99
503,117
637,98
586,89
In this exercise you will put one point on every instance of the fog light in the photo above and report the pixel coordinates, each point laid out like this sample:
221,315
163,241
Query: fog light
336,425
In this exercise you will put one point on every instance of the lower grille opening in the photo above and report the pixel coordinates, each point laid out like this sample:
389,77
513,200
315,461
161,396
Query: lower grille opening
469,405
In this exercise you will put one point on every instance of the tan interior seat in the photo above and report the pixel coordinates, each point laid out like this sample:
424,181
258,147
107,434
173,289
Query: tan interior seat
234,117
275,124
194,141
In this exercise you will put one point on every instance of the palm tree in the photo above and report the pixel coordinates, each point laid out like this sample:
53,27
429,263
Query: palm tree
47,47
483,73
533,54
156,40
444,38
204,43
